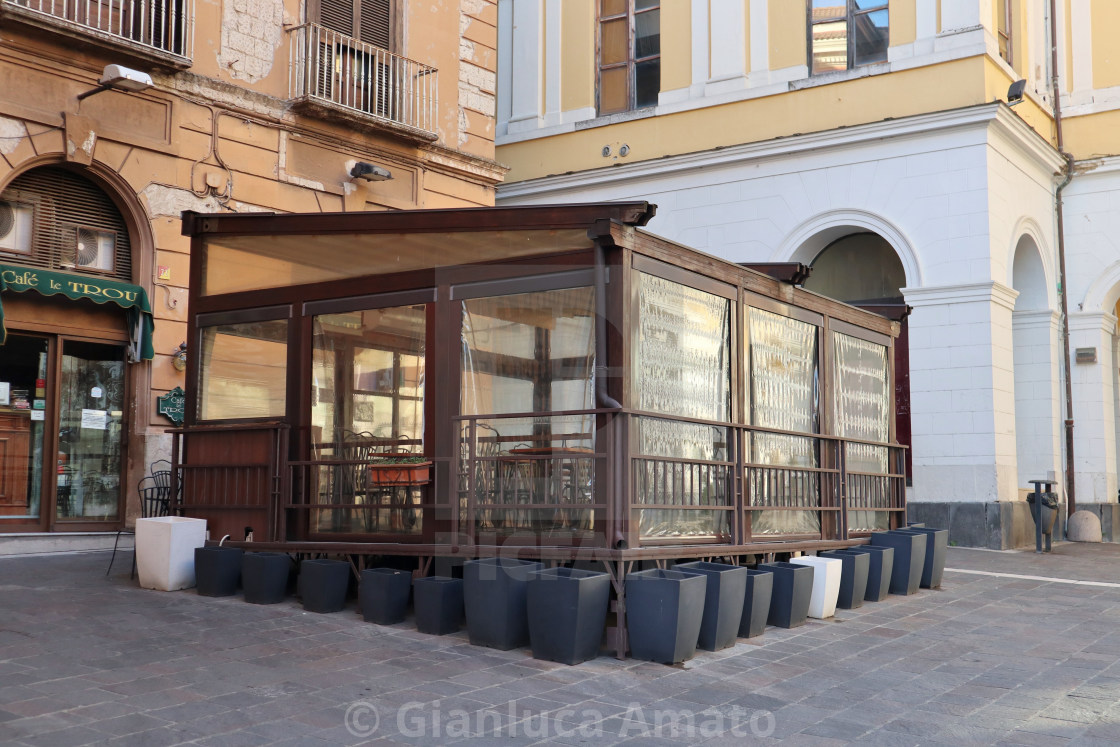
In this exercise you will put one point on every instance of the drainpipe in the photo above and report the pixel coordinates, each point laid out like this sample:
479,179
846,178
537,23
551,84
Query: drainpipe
603,400
1071,486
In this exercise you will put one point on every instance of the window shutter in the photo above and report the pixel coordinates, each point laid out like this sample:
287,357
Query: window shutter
375,23
337,15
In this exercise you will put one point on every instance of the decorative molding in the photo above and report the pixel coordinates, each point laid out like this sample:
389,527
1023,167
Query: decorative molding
1036,319
943,295
1092,321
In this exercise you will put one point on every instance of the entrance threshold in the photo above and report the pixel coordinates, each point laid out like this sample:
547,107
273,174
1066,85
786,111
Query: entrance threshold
34,543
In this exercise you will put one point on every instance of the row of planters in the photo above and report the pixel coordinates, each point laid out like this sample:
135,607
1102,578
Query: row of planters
561,612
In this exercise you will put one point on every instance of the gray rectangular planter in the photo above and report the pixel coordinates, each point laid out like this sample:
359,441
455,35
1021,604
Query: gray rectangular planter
793,587
264,577
323,584
217,570
853,578
937,543
664,611
567,613
756,603
880,565
383,595
438,602
909,558
723,602
495,594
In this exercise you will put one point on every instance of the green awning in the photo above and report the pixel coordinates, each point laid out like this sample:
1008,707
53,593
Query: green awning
133,298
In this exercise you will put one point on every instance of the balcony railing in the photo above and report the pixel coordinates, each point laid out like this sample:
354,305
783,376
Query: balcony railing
337,72
160,28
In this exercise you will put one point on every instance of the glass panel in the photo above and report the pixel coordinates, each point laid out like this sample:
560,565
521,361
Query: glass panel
647,83
868,4
612,7
654,523
646,4
243,371
682,359
672,438
830,46
240,263
827,9
368,382
613,93
862,410
23,387
647,34
871,31
91,420
615,45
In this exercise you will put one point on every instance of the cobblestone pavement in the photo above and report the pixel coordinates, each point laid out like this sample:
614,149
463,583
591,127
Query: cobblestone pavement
988,659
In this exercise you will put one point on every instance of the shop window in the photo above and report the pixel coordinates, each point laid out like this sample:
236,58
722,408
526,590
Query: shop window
629,54
844,34
56,219
243,371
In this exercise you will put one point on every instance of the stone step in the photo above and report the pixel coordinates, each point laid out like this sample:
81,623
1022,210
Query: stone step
35,543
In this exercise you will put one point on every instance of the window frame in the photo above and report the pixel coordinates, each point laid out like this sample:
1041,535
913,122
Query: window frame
1005,31
851,13
630,14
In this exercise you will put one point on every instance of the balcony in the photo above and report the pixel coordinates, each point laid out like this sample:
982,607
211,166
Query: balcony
160,31
336,75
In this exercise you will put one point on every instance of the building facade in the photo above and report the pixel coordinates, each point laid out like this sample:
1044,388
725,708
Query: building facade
886,145
254,106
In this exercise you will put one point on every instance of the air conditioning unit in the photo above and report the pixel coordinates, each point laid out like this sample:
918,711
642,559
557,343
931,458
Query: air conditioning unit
95,249
15,227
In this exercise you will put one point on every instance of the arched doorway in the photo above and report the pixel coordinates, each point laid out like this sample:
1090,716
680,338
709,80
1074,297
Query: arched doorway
864,270
1034,339
72,321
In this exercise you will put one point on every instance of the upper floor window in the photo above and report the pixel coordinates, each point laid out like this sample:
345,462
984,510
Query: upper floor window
629,54
370,21
846,33
1004,17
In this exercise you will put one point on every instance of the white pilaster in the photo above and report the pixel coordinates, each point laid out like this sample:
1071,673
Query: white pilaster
728,46
700,35
527,59
957,15
1037,395
1094,432
962,392
760,40
554,51
1081,18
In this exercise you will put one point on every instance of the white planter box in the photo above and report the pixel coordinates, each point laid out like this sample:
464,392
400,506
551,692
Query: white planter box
165,551
826,584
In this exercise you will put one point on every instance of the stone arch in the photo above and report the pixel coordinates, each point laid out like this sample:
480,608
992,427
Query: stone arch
1030,267
806,241
1104,292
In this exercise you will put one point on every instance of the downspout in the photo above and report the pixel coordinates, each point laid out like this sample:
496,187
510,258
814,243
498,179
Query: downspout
603,400
1071,483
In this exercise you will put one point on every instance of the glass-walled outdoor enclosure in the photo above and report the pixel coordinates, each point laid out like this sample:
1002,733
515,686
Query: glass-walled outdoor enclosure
579,383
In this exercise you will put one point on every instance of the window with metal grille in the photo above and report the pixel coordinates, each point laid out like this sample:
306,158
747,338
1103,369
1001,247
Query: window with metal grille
847,33
629,54
59,220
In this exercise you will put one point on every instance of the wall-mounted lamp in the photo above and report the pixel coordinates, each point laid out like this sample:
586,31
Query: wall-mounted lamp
120,78
370,173
179,357
1015,92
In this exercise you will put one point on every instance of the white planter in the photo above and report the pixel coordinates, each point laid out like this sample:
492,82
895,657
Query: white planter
826,584
165,551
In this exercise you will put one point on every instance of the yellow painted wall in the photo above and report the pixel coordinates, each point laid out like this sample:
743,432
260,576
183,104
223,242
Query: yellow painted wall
1106,51
1092,136
787,34
904,22
997,82
676,45
577,71
948,86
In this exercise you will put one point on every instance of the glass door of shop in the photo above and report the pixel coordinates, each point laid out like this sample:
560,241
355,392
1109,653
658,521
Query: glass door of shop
61,433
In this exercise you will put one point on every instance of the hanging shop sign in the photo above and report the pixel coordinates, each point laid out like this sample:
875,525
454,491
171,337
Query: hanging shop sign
171,405
133,298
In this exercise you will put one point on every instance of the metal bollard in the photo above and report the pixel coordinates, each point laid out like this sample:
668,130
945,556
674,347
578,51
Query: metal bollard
1044,510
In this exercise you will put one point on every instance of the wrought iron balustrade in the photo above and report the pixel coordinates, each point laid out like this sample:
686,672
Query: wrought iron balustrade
335,71
156,26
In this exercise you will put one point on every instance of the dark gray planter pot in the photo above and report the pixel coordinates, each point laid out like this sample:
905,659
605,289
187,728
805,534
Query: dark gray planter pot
567,613
664,611
323,585
937,545
217,570
383,595
438,603
789,601
853,578
880,565
909,558
723,602
495,594
756,603
264,577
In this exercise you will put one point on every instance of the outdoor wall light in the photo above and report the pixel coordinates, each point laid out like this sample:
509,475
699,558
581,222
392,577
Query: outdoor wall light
179,357
120,78
1015,92
370,172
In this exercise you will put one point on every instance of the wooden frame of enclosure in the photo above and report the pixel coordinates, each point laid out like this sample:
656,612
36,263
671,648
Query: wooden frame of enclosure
267,473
